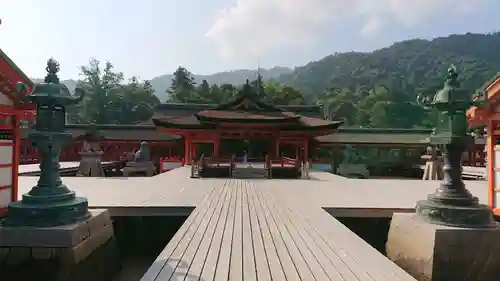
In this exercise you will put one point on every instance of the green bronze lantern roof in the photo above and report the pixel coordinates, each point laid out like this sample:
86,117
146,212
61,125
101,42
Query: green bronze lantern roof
451,97
51,91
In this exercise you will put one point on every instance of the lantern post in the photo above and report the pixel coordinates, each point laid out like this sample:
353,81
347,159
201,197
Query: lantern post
50,202
452,204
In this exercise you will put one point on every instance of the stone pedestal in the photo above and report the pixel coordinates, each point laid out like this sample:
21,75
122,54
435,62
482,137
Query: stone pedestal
80,251
442,253
146,169
90,164
433,170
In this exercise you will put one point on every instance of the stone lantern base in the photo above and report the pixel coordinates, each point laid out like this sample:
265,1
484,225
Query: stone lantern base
90,164
443,253
84,250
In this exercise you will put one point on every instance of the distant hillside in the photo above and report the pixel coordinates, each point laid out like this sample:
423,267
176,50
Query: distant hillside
236,77
411,66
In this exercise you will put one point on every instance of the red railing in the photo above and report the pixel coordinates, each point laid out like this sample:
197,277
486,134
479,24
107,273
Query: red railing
216,161
113,151
284,162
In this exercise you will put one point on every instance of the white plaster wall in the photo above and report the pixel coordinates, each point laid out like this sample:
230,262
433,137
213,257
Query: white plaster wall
6,152
5,176
5,197
4,100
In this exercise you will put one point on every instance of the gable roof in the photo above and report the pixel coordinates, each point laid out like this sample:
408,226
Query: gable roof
12,71
10,74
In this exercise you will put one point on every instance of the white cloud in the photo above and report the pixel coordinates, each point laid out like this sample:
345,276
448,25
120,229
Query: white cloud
252,28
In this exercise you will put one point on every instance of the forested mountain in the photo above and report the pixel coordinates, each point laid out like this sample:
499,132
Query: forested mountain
376,89
411,66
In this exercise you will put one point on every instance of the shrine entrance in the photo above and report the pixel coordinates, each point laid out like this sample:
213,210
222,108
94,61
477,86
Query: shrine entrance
255,149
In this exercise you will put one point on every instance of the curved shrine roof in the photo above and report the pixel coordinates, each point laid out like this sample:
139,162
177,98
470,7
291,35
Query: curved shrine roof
293,122
246,116
249,109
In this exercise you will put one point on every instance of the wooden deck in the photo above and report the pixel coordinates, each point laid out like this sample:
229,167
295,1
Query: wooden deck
175,193
33,168
169,194
469,172
261,229
241,231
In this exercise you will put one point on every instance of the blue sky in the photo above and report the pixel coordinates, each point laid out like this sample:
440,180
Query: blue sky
148,38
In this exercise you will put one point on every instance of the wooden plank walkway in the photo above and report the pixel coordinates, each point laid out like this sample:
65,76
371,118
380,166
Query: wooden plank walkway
175,193
32,168
469,172
260,229
171,193
241,232
363,197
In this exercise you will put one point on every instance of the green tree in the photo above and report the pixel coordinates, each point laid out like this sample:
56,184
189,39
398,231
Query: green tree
182,89
135,102
203,89
339,105
282,95
222,93
101,85
109,100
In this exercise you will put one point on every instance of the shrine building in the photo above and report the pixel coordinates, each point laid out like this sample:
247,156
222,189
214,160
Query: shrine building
248,128
13,109
489,116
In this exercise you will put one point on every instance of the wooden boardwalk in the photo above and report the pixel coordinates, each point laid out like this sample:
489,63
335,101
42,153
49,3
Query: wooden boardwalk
241,232
169,194
33,168
175,193
261,229
469,172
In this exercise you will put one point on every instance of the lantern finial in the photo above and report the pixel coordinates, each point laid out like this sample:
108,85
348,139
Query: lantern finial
52,70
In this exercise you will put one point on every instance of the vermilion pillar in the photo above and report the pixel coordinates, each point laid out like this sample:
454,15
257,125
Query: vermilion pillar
490,166
277,148
16,123
187,142
216,145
